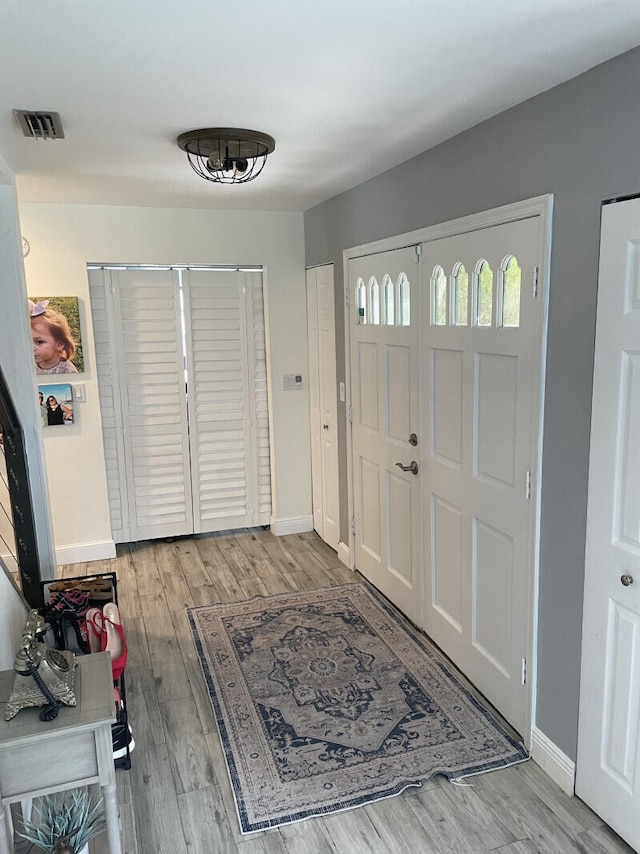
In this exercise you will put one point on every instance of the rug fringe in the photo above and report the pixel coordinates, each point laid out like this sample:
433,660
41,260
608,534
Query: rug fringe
458,781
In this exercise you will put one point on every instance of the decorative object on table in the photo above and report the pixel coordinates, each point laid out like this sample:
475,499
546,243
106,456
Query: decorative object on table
57,340
43,676
63,823
328,699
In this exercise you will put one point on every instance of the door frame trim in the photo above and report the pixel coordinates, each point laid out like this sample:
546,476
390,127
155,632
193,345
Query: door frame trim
541,206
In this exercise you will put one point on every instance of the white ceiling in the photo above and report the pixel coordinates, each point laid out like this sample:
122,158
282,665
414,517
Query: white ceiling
348,88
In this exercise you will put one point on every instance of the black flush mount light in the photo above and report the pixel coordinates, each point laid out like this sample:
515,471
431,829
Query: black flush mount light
227,155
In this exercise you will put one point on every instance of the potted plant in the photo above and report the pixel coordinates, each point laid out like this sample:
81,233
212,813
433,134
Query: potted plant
63,823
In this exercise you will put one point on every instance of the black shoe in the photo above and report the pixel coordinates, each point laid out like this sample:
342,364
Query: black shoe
122,738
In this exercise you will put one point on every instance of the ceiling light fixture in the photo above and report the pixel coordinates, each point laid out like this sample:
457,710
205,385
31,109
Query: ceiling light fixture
227,155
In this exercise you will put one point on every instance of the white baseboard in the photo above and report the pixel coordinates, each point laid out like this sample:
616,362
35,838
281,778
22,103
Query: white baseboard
551,759
85,552
295,525
344,553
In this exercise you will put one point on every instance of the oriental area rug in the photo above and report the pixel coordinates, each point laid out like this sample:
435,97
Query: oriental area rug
328,699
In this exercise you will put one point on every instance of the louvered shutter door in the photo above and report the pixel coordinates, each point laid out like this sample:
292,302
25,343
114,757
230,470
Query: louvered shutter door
228,406
180,459
260,397
153,398
110,409
143,316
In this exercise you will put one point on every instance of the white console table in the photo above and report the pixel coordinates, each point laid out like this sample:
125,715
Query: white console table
75,749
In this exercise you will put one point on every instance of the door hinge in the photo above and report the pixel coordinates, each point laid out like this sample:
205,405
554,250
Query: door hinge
527,485
347,297
524,671
535,283
418,248
350,414
353,524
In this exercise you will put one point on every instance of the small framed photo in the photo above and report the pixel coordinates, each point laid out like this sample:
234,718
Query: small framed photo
56,404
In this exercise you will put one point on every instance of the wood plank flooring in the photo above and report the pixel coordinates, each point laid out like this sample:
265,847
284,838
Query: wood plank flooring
177,796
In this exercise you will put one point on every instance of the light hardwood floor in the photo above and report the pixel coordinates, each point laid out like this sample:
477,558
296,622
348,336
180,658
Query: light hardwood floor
177,797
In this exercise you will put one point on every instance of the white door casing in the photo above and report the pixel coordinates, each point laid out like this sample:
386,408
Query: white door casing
385,412
323,402
608,760
480,361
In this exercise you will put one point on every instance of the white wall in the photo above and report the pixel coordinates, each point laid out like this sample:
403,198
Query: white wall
17,365
64,238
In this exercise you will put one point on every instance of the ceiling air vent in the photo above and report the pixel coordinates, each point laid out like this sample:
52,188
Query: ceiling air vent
40,125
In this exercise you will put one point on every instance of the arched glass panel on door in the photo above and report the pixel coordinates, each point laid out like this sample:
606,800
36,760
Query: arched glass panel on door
362,301
404,300
374,301
389,294
484,294
438,297
460,295
511,281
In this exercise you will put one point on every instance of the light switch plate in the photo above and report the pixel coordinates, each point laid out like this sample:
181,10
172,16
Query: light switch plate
292,382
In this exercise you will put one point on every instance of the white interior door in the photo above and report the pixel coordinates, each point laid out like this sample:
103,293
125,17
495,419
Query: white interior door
323,402
385,412
480,362
608,762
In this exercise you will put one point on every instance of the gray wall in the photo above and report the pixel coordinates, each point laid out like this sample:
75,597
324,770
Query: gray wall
581,142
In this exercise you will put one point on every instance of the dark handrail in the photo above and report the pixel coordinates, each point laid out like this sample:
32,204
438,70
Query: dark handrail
20,496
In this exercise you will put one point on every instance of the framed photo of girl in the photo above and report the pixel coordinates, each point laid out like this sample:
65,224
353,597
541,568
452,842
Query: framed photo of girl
55,330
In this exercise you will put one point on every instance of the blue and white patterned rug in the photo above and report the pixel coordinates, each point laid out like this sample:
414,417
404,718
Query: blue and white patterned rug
328,699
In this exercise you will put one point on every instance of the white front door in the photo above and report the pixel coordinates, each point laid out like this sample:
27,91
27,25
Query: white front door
385,412
480,363
608,762
323,402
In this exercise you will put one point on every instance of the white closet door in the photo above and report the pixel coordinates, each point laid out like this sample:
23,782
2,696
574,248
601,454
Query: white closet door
228,406
323,402
608,766
143,403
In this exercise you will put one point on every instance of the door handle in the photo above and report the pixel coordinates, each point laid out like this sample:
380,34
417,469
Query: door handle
412,467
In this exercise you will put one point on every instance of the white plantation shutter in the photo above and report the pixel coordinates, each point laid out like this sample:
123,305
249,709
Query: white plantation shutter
110,410
260,398
146,357
182,456
228,412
